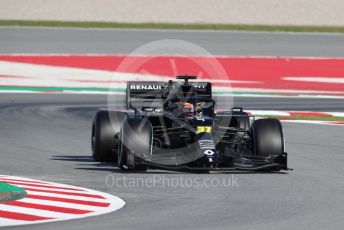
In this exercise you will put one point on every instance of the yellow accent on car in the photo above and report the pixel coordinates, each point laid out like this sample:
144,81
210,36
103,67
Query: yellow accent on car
203,129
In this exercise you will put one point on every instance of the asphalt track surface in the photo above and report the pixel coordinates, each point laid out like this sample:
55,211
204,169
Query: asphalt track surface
48,137
80,41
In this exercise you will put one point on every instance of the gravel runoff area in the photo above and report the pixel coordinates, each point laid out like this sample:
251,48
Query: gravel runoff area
263,12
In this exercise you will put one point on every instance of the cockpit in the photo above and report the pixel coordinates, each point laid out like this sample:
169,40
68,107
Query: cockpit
183,101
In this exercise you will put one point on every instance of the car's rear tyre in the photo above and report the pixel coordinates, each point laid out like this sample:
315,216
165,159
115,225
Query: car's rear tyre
105,128
267,135
136,139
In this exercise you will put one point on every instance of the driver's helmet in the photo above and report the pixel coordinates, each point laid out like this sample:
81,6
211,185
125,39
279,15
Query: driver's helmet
186,107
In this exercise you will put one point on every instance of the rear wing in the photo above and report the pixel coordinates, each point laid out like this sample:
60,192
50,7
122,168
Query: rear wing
145,94
202,88
140,95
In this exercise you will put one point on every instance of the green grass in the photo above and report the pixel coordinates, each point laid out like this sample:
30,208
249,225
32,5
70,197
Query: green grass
10,192
270,28
310,118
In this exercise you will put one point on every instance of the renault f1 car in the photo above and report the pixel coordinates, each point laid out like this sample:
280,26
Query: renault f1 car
174,125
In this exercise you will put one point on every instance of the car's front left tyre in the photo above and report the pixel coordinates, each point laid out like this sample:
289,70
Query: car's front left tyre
136,139
105,129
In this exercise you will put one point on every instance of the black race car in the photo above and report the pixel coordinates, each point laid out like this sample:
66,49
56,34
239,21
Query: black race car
174,126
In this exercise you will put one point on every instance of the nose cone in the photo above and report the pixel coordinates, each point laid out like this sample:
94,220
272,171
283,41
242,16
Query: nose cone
206,145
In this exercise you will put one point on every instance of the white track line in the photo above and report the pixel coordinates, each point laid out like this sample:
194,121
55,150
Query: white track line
14,178
312,122
60,204
37,212
66,196
335,80
32,186
290,113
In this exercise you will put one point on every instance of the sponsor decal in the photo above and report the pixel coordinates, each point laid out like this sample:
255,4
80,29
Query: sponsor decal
200,86
203,129
146,87
206,144
209,152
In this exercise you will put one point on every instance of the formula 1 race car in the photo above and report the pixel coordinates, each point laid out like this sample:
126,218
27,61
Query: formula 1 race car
173,125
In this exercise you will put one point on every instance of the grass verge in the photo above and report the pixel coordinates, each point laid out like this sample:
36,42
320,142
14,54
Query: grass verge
114,25
10,192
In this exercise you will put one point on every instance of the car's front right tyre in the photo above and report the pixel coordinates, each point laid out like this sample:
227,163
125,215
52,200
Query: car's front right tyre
267,135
